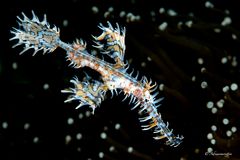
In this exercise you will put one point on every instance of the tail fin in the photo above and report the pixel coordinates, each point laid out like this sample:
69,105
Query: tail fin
35,34
154,121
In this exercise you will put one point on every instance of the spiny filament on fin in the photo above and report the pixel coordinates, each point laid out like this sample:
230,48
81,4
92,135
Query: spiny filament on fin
115,78
86,92
36,34
112,43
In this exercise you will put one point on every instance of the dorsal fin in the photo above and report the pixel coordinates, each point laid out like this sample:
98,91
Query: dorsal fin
112,43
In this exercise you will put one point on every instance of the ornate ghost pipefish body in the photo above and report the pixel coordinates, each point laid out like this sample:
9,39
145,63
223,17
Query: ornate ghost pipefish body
38,35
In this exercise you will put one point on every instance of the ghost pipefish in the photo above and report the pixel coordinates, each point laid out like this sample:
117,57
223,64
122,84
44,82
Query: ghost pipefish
142,92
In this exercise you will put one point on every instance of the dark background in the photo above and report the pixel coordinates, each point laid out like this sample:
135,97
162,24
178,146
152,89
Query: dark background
35,123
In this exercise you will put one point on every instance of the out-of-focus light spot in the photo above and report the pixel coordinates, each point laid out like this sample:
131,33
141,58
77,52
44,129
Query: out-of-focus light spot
111,148
79,136
227,11
209,136
4,125
229,133
213,141
179,25
161,10
122,14
130,149
80,116
203,69
152,13
191,14
143,64
149,59
224,60
171,12
214,110
79,149
105,128
68,138
117,126
87,113
204,85
209,150
189,24
65,23
225,89
209,4
220,103
46,86
217,30
214,128
226,21
234,61
234,129
70,121
100,154
95,9
130,17
110,9
103,135
26,126
163,26
225,121
137,17
106,14
234,36
35,140
234,86
197,150
210,104
193,78
14,65
130,60
200,60
161,87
